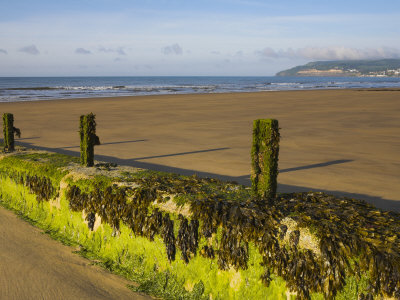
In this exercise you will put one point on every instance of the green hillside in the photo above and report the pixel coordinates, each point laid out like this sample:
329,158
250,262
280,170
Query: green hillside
347,67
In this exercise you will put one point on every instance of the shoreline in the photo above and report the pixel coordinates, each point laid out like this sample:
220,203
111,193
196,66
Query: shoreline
342,141
389,89
215,93
49,88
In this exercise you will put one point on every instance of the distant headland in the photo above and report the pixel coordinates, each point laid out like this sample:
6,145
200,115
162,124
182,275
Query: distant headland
361,68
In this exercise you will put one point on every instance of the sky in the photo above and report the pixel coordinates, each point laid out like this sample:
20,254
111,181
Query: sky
190,38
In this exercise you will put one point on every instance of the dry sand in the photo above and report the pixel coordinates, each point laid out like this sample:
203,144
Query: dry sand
344,142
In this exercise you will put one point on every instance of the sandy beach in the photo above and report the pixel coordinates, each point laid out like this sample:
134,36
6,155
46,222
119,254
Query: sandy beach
344,142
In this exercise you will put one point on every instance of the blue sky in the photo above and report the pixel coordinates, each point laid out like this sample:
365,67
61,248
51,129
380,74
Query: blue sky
176,37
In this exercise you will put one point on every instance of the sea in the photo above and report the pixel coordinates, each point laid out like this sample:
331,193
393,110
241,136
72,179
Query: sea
14,89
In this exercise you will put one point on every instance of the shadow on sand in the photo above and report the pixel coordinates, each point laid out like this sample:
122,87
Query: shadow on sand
325,164
103,144
29,138
181,153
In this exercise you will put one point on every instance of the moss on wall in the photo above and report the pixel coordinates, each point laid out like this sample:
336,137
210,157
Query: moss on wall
227,245
140,259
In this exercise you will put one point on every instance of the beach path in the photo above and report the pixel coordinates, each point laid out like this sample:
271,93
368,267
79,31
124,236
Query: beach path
33,266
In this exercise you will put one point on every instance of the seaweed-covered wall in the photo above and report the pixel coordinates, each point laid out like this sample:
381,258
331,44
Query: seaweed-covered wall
202,238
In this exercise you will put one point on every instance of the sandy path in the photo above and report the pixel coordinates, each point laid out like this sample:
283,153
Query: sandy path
340,141
33,266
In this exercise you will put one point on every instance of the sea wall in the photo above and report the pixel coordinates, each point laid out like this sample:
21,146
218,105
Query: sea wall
189,238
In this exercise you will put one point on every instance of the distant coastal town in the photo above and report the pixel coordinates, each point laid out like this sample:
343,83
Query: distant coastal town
357,68
349,72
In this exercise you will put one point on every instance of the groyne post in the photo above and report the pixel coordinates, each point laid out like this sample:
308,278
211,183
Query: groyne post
9,130
88,137
264,156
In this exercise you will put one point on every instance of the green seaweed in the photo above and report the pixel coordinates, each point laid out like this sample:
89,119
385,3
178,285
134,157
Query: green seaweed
137,258
236,246
36,165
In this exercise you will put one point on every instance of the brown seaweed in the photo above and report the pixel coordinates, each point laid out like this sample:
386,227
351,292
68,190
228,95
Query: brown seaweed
346,228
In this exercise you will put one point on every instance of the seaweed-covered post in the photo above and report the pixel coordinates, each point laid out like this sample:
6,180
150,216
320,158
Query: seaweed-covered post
9,130
87,132
264,155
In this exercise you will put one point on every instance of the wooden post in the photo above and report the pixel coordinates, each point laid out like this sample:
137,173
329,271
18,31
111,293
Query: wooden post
9,130
88,137
264,155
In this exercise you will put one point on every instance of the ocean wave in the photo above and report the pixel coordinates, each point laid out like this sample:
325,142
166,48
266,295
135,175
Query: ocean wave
30,89
35,88
146,88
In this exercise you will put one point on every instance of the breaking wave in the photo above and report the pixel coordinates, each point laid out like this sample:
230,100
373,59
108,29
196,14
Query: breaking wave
30,89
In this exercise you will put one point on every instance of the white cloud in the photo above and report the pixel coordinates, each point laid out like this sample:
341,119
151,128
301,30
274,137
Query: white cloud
82,51
3,51
173,49
119,51
239,54
145,67
330,53
268,52
119,59
30,50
